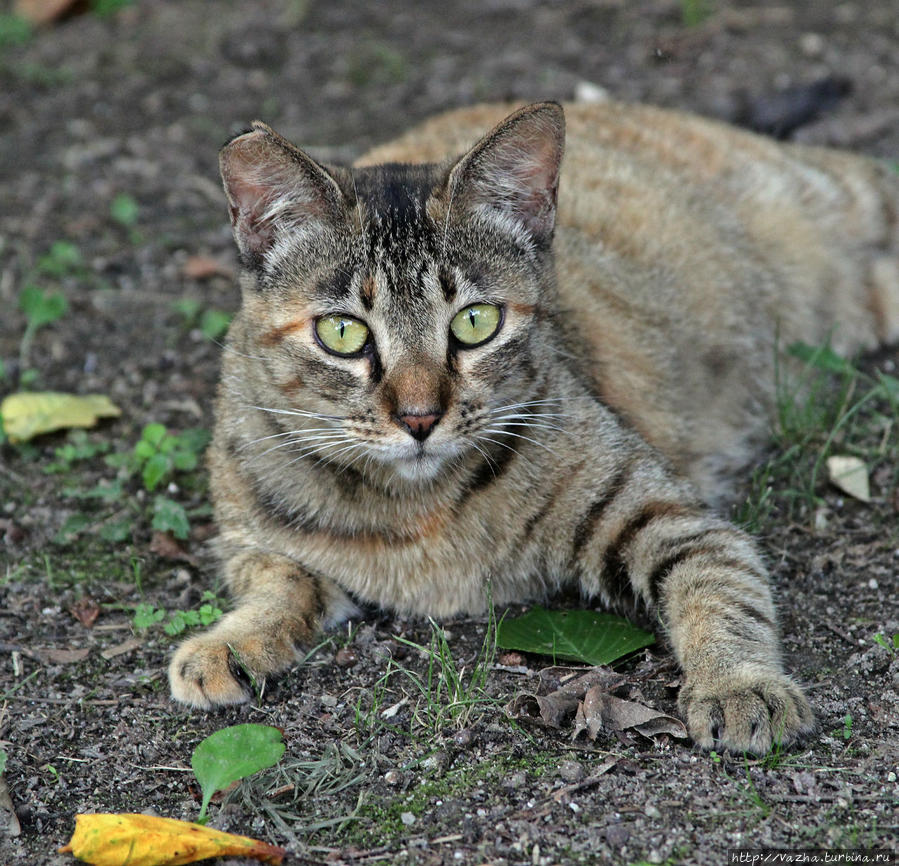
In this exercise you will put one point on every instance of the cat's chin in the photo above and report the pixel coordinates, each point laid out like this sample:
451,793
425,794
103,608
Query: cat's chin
422,467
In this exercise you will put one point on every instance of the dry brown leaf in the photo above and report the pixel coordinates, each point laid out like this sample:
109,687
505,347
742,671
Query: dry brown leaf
44,11
55,656
86,611
126,646
601,710
204,267
9,821
165,544
549,710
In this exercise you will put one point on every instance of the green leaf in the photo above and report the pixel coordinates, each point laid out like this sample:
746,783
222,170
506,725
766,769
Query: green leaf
188,309
116,532
153,434
572,635
73,524
2,761
124,210
146,615
63,258
214,323
41,308
14,29
154,470
232,754
169,516
823,358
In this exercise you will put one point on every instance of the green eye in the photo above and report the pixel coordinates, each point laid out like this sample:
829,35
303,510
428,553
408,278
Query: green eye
476,324
341,335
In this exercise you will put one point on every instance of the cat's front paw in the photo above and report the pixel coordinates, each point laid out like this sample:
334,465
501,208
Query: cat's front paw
204,673
749,713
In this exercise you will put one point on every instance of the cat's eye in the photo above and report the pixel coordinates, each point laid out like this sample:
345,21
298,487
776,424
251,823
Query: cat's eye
476,324
342,335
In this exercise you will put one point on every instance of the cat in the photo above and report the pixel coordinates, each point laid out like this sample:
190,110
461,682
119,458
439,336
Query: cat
449,378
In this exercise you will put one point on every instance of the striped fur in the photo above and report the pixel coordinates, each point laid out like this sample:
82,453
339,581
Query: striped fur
584,442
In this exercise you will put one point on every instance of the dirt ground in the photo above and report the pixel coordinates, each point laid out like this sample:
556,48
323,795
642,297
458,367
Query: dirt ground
110,130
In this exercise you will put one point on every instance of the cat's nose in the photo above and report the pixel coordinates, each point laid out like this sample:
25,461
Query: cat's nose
419,426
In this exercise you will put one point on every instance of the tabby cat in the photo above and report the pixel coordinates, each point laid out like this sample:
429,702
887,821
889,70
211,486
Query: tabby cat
439,383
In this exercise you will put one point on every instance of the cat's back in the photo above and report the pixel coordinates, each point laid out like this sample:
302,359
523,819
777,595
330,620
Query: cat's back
686,249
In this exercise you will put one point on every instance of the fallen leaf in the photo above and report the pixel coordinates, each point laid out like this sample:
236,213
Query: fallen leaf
144,840
574,635
54,656
86,611
565,691
204,267
165,544
234,753
601,710
9,821
549,710
28,414
43,11
850,474
125,646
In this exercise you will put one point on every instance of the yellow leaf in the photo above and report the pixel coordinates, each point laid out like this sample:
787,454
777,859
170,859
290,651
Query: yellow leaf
27,414
144,840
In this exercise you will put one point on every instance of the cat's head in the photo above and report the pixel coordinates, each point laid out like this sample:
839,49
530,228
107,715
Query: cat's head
395,309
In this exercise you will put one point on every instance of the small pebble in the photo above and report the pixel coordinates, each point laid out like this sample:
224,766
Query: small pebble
407,818
346,657
652,812
463,738
393,777
571,771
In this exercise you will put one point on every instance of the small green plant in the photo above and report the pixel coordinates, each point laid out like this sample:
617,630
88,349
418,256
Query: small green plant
14,30
146,615
694,12
124,210
206,614
891,646
61,260
212,323
77,448
451,693
170,516
108,7
847,727
829,403
232,754
159,454
40,308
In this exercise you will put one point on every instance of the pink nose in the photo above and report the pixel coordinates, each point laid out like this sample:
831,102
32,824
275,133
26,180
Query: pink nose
419,426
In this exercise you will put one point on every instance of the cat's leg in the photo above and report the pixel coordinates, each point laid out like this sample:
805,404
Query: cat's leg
707,583
278,611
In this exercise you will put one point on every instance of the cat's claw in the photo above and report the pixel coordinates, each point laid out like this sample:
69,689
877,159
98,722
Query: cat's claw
204,673
751,715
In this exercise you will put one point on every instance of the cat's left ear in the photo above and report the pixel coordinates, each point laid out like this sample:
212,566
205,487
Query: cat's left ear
512,174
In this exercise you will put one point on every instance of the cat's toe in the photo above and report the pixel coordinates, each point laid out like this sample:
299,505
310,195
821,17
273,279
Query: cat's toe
205,674
746,716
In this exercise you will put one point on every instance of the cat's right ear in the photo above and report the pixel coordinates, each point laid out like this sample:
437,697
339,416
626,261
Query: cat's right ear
274,188
511,176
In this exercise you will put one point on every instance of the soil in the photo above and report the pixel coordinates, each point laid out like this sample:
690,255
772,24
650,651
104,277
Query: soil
136,104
